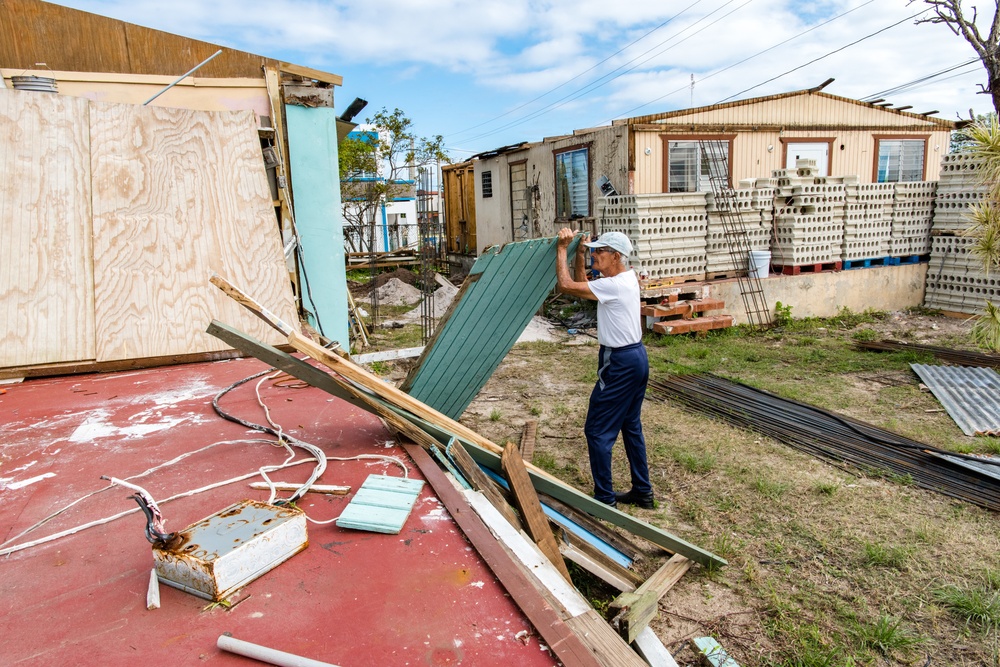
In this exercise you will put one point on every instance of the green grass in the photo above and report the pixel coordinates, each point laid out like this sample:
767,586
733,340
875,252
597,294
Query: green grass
976,606
768,488
886,636
697,463
826,488
495,415
878,554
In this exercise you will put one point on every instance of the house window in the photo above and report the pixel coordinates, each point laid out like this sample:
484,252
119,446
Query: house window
692,164
572,184
900,160
487,180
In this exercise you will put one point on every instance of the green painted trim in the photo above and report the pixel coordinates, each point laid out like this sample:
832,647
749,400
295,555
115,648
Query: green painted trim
315,171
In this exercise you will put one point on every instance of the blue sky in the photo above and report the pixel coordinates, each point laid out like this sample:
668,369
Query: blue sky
487,73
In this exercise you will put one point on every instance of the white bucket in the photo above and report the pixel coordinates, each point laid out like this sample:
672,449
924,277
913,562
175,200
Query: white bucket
760,261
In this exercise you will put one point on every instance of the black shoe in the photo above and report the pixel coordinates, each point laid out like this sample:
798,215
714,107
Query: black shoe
609,503
644,501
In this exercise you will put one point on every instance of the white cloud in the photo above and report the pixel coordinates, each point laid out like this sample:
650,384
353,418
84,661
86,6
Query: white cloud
483,58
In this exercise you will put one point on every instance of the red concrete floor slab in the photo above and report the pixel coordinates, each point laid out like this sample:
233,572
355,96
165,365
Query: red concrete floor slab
423,597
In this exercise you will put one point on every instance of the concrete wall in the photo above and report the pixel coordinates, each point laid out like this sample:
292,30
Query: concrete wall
888,288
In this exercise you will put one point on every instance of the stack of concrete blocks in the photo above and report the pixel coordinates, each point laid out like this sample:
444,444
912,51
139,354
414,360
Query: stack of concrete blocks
912,215
867,220
668,232
752,214
956,279
809,217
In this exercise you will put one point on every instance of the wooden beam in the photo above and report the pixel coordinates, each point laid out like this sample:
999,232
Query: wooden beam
633,611
592,560
528,504
606,645
480,482
528,439
310,73
567,647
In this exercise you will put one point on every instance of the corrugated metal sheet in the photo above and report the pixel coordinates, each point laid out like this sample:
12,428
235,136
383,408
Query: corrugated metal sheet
970,395
778,106
505,287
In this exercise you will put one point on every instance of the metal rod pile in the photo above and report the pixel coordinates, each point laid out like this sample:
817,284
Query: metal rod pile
830,436
957,357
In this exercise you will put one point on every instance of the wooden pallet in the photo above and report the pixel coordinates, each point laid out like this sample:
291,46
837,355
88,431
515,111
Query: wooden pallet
684,309
868,263
706,323
807,268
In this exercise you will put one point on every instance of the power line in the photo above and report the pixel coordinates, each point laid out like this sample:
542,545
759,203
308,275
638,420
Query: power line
759,53
814,60
589,69
591,87
912,84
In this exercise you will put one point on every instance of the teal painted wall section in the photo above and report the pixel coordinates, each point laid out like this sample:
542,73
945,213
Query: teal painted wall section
505,288
312,151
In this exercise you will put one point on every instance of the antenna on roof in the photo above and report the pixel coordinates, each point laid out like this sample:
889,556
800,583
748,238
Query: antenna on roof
822,85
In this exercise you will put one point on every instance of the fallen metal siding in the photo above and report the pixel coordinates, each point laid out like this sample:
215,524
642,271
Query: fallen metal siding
970,395
504,290
836,438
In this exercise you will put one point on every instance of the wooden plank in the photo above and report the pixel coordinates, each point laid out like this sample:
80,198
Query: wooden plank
618,542
527,445
560,639
531,509
177,195
78,367
610,649
590,559
633,611
310,73
651,649
559,490
480,482
46,266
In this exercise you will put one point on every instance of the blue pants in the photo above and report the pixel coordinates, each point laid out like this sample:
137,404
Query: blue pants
615,406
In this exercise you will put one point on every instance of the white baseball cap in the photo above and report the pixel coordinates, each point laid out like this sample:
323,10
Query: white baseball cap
614,240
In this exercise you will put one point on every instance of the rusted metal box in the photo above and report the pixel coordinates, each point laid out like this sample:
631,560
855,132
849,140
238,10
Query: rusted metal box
223,552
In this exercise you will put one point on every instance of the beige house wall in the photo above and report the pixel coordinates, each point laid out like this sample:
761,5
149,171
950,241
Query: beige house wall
198,94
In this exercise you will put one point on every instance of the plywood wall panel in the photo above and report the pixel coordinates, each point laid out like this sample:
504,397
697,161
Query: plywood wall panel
46,286
179,194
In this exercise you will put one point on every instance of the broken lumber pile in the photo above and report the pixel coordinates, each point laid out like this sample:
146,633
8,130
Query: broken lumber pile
576,632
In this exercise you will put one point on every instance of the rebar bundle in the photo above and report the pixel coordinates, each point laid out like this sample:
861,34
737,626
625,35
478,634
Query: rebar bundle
956,357
835,438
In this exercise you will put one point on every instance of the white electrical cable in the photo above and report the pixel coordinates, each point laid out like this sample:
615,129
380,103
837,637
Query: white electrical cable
136,476
98,522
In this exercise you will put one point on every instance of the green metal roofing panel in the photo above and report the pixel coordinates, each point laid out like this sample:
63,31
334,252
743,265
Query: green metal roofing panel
504,289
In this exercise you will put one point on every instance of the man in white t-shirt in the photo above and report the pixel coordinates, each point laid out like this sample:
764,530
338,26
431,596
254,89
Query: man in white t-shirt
623,368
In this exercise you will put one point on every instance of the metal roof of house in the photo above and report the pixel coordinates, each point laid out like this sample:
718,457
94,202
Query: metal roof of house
682,113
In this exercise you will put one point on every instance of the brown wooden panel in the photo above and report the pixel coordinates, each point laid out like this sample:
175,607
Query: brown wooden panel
46,285
68,39
179,194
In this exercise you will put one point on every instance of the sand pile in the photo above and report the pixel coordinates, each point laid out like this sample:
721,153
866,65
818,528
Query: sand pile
394,292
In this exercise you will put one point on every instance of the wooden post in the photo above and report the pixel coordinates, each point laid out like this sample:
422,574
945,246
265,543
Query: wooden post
531,508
